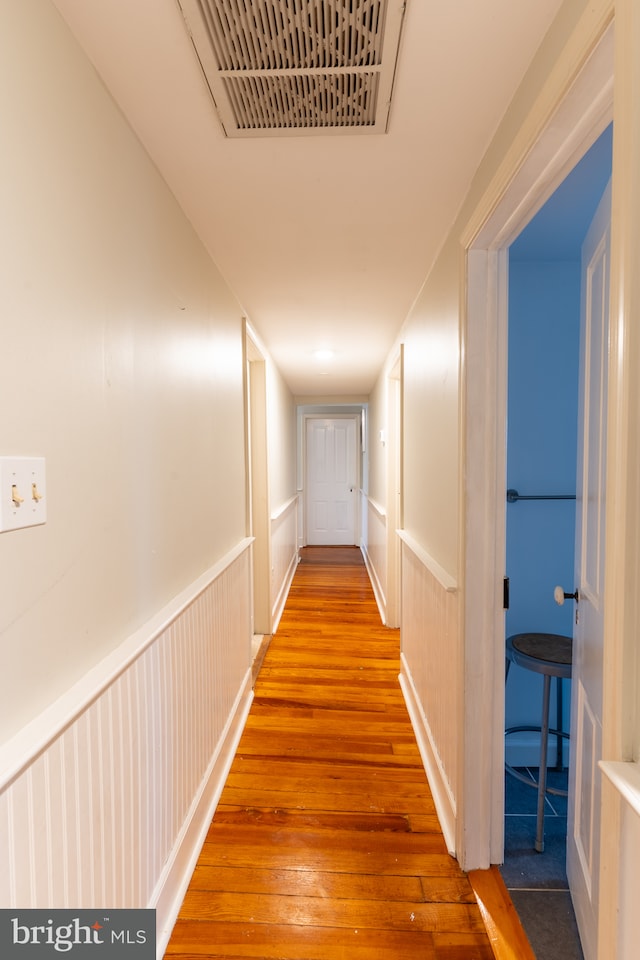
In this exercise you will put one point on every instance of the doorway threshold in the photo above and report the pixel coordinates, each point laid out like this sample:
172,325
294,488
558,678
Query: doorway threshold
537,882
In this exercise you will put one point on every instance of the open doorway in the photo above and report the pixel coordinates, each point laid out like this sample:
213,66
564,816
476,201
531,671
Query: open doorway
556,140
542,440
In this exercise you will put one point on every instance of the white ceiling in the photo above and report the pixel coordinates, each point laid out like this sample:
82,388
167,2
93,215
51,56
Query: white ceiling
325,241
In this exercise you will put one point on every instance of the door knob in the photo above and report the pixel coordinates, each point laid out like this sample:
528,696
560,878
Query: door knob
560,595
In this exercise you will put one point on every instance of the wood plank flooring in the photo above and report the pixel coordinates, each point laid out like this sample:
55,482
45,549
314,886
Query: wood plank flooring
325,844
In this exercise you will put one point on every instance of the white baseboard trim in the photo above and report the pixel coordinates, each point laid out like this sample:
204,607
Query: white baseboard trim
378,592
278,608
442,796
174,881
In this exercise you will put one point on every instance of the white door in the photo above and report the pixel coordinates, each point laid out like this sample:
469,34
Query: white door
583,828
331,481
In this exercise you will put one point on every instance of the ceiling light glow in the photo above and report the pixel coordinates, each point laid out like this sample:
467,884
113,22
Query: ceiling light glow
323,354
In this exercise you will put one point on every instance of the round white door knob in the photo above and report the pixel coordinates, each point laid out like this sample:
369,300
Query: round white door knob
560,595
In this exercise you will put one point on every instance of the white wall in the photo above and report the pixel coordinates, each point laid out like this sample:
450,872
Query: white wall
430,634
377,421
121,364
381,512
281,438
431,336
283,497
125,621
435,652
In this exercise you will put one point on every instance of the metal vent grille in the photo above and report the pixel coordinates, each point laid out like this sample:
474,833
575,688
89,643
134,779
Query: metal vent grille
278,67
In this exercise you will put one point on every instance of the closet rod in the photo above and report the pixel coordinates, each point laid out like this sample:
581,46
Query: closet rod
513,496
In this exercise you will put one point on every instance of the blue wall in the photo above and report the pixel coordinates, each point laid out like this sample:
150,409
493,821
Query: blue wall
544,326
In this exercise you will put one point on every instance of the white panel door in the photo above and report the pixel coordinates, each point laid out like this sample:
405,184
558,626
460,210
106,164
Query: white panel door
583,829
331,481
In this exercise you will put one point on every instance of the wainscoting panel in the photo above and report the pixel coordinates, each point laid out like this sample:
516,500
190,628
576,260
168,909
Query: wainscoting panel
284,556
374,549
109,801
620,859
429,637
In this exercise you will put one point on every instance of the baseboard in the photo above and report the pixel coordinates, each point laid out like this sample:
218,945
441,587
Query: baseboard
523,750
172,885
442,797
378,592
278,607
259,657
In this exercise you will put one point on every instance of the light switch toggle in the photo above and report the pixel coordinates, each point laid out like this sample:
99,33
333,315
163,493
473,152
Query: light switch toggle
23,492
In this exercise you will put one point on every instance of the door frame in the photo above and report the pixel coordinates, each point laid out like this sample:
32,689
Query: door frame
258,506
573,109
395,487
356,417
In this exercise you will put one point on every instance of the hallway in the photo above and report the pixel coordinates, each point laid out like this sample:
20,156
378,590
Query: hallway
325,843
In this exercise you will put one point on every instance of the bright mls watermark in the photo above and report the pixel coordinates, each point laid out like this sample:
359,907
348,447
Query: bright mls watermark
78,934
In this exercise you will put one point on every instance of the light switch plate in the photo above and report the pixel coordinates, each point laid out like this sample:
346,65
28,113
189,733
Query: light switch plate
23,492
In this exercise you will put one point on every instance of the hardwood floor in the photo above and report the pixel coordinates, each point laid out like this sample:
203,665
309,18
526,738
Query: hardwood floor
325,843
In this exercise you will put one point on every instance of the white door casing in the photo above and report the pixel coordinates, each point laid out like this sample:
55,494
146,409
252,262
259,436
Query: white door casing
583,827
331,480
395,522
258,492
556,135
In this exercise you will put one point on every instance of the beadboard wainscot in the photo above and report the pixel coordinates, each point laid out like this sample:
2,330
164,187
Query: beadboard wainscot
284,555
429,639
621,847
374,549
106,797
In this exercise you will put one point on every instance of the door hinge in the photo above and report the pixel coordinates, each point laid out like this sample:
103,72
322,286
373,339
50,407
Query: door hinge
505,593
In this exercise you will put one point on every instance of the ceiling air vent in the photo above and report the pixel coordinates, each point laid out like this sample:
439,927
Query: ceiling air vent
292,67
